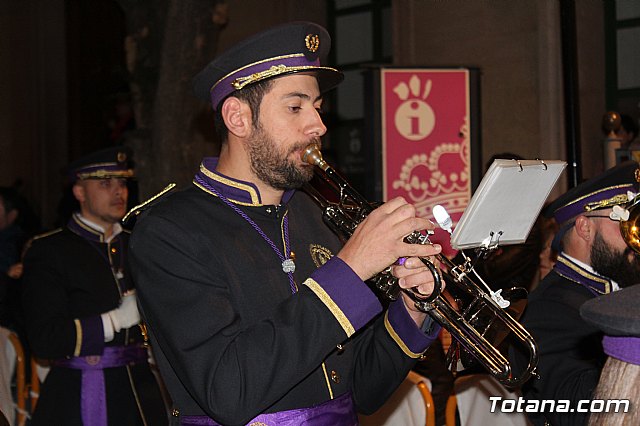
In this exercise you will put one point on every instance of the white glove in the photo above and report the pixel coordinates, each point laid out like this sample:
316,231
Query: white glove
124,316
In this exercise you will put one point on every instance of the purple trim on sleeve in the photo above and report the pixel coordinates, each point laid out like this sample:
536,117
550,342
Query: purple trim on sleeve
347,291
624,348
92,336
416,340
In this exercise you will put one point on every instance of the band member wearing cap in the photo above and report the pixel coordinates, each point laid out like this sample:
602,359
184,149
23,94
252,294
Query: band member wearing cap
618,317
256,312
81,311
593,260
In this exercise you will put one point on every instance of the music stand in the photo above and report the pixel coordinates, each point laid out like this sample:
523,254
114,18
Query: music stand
506,204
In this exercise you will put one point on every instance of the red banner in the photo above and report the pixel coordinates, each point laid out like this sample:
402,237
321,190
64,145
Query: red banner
425,140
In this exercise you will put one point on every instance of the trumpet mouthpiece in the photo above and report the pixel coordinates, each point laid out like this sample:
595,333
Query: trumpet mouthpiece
313,156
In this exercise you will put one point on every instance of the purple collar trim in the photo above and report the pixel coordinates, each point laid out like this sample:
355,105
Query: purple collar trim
236,191
78,227
624,348
597,284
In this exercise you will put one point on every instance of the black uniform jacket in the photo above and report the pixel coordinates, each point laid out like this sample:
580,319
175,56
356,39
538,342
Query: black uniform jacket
571,354
231,337
69,281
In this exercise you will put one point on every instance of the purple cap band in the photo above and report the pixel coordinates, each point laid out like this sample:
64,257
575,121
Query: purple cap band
577,207
112,162
270,68
624,348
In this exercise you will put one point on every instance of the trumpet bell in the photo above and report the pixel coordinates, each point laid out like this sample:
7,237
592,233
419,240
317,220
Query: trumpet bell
630,228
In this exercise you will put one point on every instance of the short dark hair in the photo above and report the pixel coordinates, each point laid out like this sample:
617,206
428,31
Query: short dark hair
252,95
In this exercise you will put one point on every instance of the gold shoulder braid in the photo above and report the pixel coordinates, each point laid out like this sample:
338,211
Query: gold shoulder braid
135,211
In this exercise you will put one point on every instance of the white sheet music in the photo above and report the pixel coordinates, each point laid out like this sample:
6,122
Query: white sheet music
507,202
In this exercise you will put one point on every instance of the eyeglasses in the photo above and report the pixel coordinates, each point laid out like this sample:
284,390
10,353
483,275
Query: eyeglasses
601,215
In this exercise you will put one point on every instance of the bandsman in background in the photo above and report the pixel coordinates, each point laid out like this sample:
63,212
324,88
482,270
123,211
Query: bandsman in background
81,309
593,260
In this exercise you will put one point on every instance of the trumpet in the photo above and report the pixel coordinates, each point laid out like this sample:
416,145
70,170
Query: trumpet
478,320
630,228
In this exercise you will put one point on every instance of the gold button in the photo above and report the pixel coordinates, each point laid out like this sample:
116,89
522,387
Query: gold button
113,250
175,412
335,376
340,348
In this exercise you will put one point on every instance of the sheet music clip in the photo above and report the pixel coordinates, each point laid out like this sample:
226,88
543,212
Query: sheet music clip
492,241
489,244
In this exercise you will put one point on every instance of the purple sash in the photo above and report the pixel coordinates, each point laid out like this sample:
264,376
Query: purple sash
339,411
93,401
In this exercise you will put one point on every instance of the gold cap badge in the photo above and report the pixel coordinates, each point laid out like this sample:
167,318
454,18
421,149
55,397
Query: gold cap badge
312,41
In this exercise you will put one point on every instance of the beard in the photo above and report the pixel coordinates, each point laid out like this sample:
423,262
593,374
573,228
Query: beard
274,167
621,266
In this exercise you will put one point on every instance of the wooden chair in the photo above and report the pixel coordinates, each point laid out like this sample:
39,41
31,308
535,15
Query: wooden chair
420,382
474,406
22,388
450,411
410,405
27,392
34,385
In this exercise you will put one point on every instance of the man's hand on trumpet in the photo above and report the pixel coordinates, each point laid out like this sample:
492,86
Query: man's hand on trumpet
412,273
378,242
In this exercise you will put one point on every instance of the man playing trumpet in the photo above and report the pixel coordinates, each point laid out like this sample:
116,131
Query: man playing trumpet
256,311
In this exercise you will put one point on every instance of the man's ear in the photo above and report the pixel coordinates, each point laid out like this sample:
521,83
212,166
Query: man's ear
237,116
78,191
584,228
